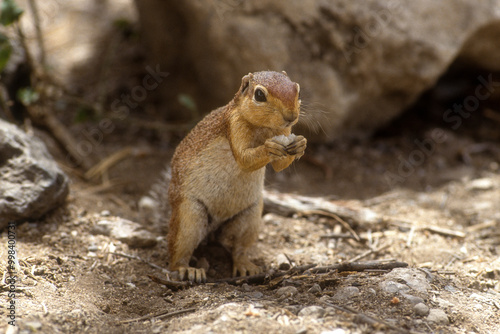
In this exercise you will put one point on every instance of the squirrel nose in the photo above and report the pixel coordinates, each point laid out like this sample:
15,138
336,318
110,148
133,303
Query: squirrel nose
290,118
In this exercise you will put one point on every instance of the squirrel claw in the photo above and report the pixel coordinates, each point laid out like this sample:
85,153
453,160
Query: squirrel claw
192,274
297,147
245,266
275,148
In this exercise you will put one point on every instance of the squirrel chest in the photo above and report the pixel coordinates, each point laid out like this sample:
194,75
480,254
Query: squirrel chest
217,182
205,171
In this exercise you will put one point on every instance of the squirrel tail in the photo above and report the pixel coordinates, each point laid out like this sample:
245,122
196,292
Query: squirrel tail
154,207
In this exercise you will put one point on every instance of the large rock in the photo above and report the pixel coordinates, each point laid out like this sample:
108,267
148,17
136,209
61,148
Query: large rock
31,183
359,62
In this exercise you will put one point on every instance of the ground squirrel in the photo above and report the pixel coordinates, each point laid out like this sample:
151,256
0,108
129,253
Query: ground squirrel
218,170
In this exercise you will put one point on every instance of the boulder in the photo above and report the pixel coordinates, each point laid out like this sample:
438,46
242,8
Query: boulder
359,63
31,183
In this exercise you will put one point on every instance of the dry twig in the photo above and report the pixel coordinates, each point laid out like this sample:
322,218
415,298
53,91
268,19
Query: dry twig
369,252
289,204
173,285
361,317
159,315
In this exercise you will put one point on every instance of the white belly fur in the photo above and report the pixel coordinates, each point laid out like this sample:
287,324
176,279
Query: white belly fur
216,180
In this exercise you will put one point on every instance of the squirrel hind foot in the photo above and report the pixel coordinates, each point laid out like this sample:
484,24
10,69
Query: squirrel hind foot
245,267
192,274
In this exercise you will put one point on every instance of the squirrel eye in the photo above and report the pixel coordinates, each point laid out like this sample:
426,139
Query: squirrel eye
259,95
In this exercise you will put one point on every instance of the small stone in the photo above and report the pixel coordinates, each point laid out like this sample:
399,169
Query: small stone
286,291
294,309
421,309
126,231
403,280
312,311
393,287
438,316
31,182
93,248
335,331
413,299
39,271
105,213
346,293
33,325
256,295
282,261
480,184
147,204
315,289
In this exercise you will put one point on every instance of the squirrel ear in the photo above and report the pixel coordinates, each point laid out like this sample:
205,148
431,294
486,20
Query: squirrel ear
245,82
284,73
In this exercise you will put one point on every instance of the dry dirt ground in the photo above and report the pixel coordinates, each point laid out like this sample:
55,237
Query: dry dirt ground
71,279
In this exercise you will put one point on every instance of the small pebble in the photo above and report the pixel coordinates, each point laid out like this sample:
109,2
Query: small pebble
93,248
33,325
105,213
39,271
346,293
286,291
256,295
438,316
147,204
335,331
413,299
312,311
282,261
421,309
480,184
315,289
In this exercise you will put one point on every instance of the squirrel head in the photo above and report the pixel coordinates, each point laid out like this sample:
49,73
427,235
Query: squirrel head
269,99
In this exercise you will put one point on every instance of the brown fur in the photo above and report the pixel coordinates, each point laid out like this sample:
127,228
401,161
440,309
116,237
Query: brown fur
218,171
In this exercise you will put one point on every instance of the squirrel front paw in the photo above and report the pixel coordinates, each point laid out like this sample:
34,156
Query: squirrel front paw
275,148
192,274
297,147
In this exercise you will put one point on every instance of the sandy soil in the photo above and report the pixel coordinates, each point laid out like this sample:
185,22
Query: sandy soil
418,174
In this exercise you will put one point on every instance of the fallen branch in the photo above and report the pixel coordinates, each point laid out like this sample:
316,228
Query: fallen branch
312,268
159,315
104,165
418,226
336,218
173,285
59,131
360,266
289,204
